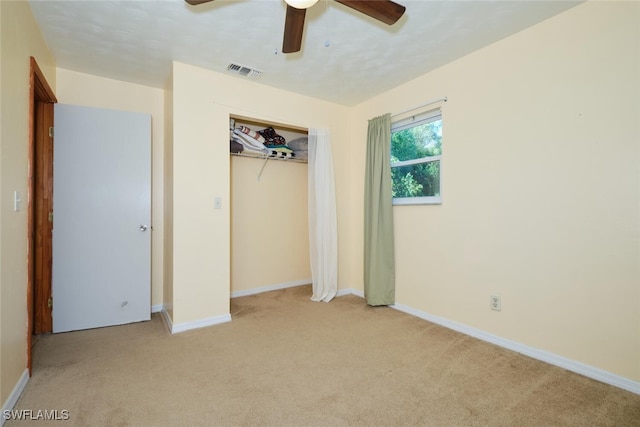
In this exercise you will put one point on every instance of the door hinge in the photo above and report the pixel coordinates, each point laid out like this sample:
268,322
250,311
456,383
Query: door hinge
51,132
50,217
50,303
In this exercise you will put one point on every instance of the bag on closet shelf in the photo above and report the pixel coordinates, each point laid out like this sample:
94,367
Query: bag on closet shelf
252,133
300,147
248,142
271,137
235,146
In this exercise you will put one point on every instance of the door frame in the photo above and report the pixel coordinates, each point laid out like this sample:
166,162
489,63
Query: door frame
41,100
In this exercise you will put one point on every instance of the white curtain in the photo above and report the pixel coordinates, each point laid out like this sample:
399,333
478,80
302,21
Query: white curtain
323,228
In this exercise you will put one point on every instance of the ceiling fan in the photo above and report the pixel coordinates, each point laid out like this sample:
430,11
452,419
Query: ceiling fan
385,11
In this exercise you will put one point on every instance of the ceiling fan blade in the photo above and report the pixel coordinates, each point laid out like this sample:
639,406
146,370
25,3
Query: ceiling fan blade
197,2
382,10
293,28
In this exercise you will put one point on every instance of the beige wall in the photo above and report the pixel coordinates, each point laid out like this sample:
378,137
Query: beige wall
20,39
92,91
540,185
269,223
202,103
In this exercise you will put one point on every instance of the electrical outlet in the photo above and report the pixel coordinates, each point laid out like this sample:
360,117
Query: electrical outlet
495,303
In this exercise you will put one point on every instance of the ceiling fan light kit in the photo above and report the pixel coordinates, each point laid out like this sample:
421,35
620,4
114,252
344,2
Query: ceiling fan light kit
385,11
301,4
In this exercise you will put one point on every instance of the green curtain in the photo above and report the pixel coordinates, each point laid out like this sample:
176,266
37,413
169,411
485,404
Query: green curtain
379,252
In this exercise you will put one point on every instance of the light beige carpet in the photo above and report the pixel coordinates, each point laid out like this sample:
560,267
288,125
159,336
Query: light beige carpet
287,361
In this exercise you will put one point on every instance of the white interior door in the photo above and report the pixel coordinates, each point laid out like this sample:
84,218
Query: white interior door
102,211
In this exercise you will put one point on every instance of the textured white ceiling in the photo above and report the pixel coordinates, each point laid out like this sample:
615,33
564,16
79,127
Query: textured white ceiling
136,40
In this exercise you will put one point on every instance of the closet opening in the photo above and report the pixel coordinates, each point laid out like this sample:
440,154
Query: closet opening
269,207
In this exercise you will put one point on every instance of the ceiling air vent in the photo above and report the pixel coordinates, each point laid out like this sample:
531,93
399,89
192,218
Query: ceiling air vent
244,71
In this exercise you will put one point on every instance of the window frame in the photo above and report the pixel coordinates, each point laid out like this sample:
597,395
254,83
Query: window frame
407,123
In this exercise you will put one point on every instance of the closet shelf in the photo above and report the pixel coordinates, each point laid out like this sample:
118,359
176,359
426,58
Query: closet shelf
266,157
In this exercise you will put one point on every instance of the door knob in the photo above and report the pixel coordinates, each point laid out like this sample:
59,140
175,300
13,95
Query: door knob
143,227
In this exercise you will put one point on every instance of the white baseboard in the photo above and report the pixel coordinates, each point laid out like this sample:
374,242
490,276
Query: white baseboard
166,318
350,291
15,395
553,359
269,288
176,328
181,327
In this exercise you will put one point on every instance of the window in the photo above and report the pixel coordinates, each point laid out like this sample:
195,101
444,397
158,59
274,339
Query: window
416,152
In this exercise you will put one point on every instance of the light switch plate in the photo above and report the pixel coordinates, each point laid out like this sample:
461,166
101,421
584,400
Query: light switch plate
17,201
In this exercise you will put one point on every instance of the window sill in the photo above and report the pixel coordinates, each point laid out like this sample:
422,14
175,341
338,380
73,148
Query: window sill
406,201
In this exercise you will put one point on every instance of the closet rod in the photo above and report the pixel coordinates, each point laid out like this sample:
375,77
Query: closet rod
262,156
426,104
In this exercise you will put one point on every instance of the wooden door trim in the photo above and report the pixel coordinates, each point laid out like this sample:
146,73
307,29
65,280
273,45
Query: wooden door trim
42,196
39,91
